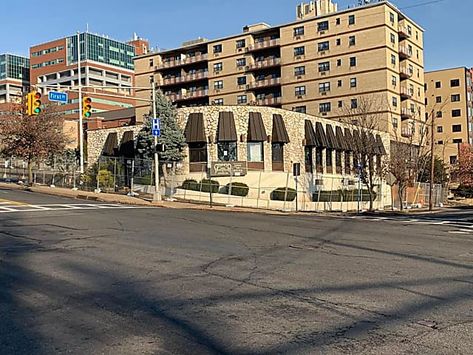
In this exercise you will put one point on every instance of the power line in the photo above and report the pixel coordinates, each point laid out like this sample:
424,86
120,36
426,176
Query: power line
422,4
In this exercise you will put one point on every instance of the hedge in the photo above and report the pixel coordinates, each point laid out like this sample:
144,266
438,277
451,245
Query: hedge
237,189
342,196
280,192
190,184
210,186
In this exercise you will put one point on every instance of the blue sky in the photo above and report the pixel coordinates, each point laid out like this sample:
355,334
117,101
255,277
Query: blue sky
448,39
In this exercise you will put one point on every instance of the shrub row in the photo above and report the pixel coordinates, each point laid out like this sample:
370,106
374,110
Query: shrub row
207,185
342,196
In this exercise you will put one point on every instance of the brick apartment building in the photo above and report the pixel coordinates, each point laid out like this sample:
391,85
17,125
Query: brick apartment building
449,98
320,64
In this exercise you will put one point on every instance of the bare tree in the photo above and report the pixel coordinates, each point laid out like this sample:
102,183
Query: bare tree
366,112
464,166
31,138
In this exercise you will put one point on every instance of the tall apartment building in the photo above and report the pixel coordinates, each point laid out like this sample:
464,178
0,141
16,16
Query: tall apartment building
14,78
321,64
104,62
449,98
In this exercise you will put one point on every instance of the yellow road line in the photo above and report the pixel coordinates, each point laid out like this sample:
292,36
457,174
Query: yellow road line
4,202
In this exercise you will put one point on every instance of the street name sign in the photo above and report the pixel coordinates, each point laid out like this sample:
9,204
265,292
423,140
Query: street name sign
57,97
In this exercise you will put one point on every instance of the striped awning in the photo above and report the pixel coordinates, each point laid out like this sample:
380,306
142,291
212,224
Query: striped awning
331,139
110,147
226,131
127,145
320,135
310,139
256,130
279,133
341,138
195,132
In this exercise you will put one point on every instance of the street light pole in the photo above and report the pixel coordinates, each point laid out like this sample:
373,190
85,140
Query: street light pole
81,125
157,192
432,164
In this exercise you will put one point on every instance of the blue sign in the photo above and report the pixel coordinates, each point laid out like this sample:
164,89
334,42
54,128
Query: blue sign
156,127
57,97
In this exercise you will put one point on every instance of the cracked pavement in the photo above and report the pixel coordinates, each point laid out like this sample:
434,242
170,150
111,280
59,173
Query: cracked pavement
148,281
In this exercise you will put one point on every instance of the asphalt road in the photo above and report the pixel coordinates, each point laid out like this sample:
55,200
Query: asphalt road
102,279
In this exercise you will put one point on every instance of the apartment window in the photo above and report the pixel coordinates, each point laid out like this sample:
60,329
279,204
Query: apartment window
338,41
458,141
438,84
218,67
393,38
151,62
300,90
241,43
227,151
300,109
322,26
392,17
340,104
323,46
339,83
439,129
299,31
218,85
324,66
241,80
351,40
394,80
218,48
353,62
456,113
337,21
325,107
456,128
453,159
242,99
277,155
394,101
393,59
353,82
298,71
255,151
354,103
218,102
455,97
454,83
324,87
395,122
339,62
241,62
299,51
439,114
351,19
440,142
438,99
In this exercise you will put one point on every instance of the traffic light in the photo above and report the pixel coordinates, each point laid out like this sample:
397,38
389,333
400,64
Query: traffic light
86,107
33,103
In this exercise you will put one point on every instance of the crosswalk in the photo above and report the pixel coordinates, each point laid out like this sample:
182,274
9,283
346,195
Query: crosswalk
17,207
459,225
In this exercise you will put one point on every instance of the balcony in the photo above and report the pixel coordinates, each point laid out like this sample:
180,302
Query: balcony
406,132
406,73
403,32
188,95
180,62
265,83
184,79
406,93
264,44
405,52
269,101
407,113
268,63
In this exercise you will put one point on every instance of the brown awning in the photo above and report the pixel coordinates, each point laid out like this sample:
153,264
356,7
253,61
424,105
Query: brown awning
320,135
349,140
310,139
279,134
226,131
256,130
358,143
331,139
380,145
195,132
341,138
127,146
110,147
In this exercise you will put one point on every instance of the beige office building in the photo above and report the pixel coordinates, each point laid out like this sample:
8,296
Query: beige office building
449,98
322,64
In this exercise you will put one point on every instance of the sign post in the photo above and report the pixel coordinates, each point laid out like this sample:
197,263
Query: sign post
156,131
296,171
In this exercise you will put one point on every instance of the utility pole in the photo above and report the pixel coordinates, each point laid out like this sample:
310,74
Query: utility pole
81,124
432,164
157,192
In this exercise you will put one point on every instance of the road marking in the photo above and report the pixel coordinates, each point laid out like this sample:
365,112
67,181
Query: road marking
61,207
